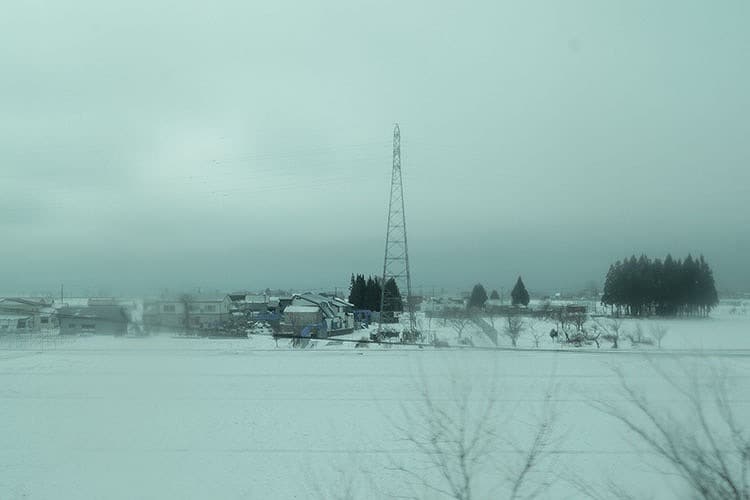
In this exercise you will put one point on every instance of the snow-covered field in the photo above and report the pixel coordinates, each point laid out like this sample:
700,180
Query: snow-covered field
163,418
728,327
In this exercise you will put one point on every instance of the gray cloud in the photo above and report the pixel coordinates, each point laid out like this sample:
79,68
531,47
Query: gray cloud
163,144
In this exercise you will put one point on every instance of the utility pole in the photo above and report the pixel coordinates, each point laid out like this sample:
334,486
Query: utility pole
396,260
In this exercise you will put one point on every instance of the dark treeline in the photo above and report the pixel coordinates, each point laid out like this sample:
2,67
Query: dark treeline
643,287
365,294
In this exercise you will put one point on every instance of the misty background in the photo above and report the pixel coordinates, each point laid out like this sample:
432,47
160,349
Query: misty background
153,144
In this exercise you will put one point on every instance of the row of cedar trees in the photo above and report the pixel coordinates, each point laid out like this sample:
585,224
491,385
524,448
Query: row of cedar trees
643,287
365,294
519,295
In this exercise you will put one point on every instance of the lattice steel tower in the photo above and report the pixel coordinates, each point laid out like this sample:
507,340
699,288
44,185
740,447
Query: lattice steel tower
396,261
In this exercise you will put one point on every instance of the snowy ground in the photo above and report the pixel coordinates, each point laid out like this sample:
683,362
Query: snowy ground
161,417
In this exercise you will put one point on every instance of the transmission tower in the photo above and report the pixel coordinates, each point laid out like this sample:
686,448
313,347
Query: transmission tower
396,261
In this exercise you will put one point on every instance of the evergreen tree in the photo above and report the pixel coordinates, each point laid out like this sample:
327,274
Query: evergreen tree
708,296
519,295
358,291
670,285
644,287
660,279
372,294
352,292
361,285
494,295
478,297
610,296
392,300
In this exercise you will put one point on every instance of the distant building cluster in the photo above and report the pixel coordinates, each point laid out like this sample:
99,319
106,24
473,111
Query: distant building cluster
69,317
232,314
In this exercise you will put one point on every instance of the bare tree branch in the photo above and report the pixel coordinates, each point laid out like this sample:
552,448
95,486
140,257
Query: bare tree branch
705,446
457,439
514,326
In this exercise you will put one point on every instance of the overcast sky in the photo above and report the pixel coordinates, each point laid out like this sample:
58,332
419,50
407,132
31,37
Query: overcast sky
239,144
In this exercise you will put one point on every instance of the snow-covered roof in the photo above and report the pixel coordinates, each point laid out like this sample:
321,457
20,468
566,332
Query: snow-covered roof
72,301
342,302
215,298
7,302
190,300
301,309
12,317
102,301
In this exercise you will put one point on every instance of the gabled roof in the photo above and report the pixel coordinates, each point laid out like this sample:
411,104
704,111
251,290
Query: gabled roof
256,299
342,302
314,299
216,298
28,301
114,314
102,301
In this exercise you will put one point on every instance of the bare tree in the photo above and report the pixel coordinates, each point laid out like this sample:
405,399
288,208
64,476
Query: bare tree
457,439
658,332
638,337
491,315
460,323
536,333
560,315
533,454
702,442
578,319
426,329
613,332
514,326
345,487
451,442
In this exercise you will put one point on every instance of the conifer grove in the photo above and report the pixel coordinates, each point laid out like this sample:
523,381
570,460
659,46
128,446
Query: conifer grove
645,287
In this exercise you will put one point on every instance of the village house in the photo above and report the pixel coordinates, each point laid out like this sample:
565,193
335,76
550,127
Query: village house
334,315
187,313
100,315
15,323
247,302
29,314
